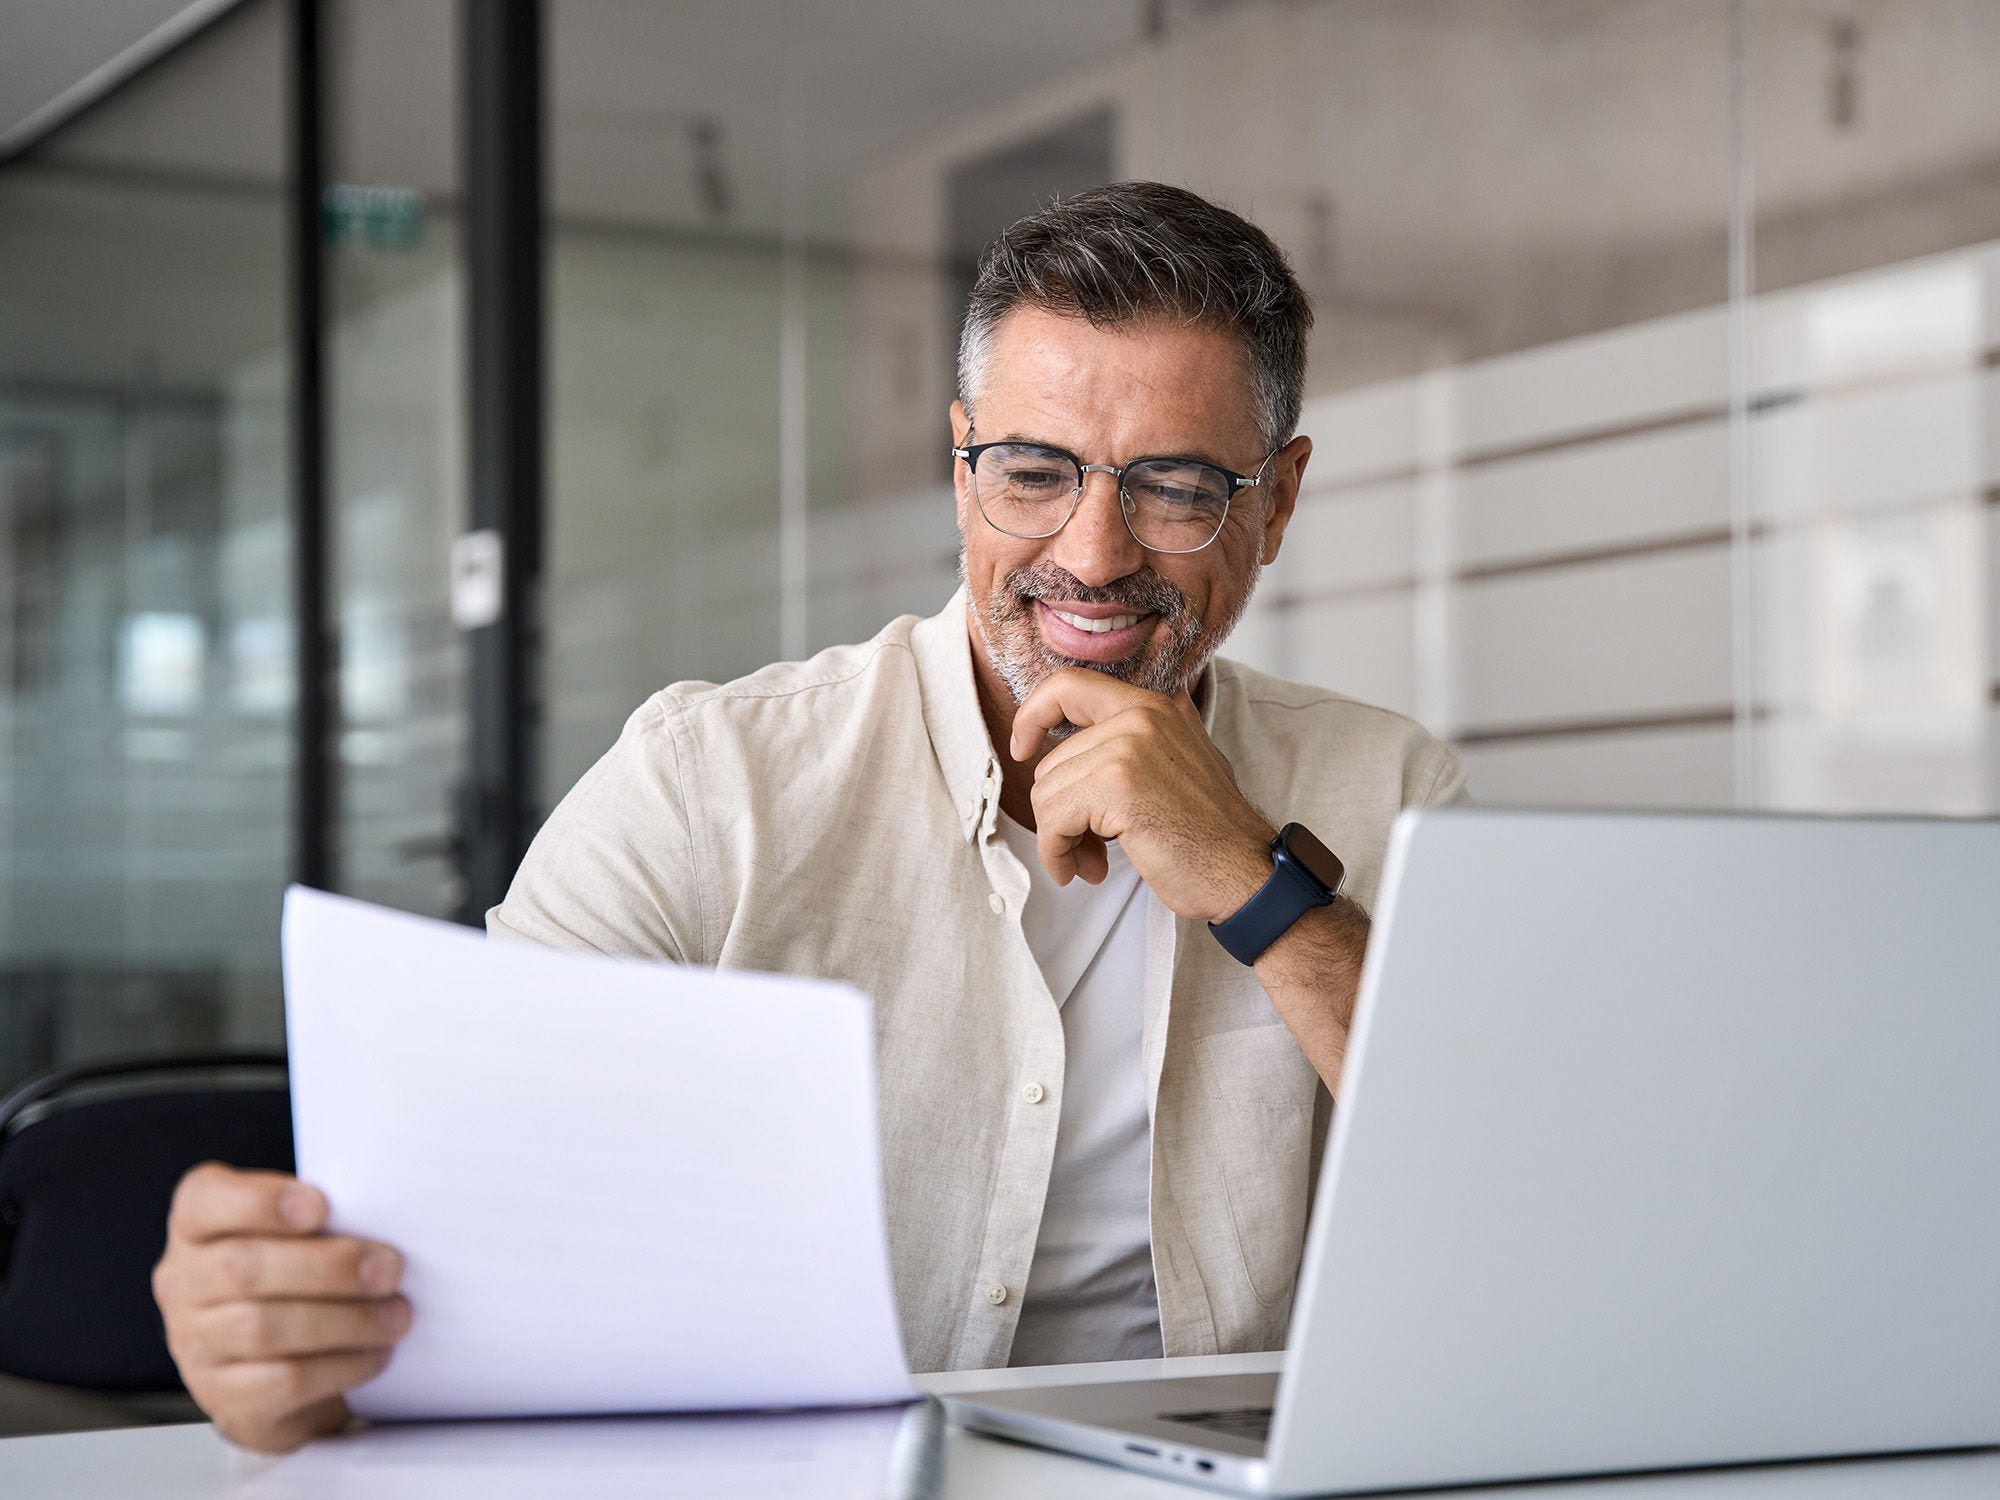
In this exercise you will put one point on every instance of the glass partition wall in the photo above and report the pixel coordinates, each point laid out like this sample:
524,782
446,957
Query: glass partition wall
145,555
1653,396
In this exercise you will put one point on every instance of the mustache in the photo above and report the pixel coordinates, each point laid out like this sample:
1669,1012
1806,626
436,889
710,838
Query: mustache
1143,592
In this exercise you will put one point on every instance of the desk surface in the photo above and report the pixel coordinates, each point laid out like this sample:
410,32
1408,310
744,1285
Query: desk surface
834,1456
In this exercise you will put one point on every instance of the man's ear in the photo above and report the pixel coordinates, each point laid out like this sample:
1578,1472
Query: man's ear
1288,472
961,429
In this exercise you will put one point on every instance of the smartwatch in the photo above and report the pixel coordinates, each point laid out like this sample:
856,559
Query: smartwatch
1306,874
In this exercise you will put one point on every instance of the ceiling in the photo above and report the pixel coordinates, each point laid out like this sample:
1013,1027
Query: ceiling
1464,161
53,46
747,115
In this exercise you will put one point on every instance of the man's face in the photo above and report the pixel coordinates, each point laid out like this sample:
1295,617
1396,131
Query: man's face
1110,396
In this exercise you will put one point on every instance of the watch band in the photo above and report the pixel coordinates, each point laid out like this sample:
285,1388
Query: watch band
1291,891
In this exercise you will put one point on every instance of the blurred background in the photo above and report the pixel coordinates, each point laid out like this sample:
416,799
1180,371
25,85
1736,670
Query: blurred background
1655,395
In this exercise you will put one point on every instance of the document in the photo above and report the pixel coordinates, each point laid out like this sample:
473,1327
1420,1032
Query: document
619,1186
893,1453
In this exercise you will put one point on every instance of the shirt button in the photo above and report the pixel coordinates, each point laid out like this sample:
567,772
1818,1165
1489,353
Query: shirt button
997,902
996,1294
971,807
1034,1093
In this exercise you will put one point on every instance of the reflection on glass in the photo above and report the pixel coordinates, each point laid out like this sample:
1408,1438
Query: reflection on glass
396,430
144,557
1873,485
160,662
1876,156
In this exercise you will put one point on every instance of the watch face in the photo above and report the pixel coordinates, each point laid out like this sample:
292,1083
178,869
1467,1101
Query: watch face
1319,861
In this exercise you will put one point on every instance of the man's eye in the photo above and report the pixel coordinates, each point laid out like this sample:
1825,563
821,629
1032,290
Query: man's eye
1029,479
1178,497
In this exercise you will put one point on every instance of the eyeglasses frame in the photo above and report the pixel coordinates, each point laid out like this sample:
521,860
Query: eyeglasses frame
970,455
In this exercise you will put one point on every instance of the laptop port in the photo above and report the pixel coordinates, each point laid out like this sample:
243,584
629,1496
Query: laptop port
1206,1465
1142,1448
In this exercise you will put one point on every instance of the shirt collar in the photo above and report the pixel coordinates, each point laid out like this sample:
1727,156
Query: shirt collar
957,727
942,644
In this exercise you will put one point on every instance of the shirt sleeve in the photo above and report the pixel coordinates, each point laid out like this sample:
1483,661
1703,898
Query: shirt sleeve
613,868
1443,782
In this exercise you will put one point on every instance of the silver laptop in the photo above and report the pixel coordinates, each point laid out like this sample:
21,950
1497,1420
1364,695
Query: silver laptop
1663,1140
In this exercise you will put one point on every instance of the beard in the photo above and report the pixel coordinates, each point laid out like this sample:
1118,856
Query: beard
1023,658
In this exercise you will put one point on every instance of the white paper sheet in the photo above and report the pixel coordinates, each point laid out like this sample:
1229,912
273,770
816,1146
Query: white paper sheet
891,1453
619,1186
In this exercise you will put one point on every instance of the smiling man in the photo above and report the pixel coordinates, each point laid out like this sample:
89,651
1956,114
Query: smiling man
1108,890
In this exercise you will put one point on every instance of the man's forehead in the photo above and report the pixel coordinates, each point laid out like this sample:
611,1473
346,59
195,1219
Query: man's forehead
1063,380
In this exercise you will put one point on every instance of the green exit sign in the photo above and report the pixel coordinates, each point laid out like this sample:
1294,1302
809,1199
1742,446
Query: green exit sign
381,218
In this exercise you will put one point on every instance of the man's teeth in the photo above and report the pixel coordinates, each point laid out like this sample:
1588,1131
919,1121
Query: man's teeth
1095,627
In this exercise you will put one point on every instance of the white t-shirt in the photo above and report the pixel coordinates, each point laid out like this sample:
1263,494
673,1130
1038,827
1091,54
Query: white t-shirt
1090,1290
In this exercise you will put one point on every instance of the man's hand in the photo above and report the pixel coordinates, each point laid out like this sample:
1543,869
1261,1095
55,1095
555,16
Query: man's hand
1141,769
271,1319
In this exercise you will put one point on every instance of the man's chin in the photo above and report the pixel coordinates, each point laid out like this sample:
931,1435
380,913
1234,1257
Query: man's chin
1018,646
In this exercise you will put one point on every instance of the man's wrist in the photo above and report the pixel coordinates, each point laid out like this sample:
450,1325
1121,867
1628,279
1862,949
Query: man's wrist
1244,873
1340,928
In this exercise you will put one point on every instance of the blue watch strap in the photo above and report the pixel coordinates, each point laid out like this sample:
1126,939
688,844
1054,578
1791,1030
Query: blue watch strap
1289,894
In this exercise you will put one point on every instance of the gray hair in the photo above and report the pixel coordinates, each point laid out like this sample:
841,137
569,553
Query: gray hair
1134,251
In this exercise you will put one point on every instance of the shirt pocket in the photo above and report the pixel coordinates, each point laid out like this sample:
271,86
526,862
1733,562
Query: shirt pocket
1258,1093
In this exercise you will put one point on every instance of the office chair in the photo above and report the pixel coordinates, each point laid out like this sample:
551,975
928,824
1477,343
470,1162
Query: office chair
88,1161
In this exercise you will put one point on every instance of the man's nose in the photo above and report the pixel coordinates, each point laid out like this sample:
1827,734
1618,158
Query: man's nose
1097,547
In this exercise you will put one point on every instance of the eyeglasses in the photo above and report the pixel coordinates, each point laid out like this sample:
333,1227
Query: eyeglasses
1169,504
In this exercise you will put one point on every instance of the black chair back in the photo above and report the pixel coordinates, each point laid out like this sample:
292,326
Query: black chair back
89,1157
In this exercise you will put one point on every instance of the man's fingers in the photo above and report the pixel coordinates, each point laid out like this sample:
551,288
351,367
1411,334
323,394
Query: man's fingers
1069,856
1091,859
1101,735
1065,840
213,1200
1075,693
273,1329
325,1266
322,1418
288,1389
1075,762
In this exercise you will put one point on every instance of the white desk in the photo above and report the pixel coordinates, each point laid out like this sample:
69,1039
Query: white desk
825,1457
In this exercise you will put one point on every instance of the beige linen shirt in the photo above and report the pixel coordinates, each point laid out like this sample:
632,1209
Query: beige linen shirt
836,817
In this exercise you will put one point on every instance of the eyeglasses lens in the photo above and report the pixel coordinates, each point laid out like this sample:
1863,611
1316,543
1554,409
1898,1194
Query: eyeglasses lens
1175,506
1025,490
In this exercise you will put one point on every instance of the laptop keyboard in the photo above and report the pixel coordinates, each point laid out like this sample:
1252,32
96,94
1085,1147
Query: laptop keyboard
1252,1422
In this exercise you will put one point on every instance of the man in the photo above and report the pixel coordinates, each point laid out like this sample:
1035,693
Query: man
1012,824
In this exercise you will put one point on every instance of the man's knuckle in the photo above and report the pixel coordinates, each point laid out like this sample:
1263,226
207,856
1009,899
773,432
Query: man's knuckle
253,1327
233,1385
195,1181
283,1383
213,1390
337,1264
239,1266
